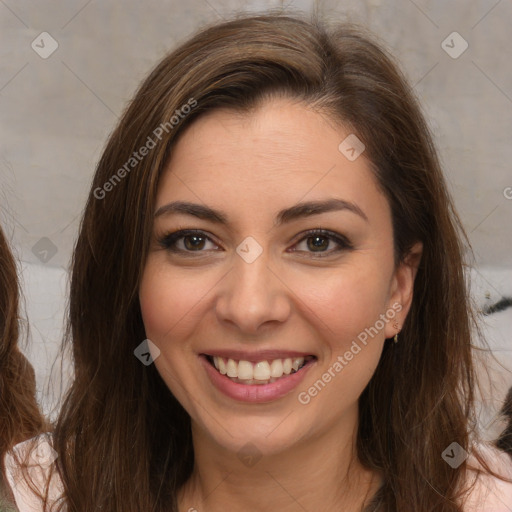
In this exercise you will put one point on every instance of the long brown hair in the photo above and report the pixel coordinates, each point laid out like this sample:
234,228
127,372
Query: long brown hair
123,439
20,417
505,440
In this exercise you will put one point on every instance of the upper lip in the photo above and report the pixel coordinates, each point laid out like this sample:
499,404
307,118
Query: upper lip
256,356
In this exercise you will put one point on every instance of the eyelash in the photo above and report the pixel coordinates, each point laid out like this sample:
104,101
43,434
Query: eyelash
168,242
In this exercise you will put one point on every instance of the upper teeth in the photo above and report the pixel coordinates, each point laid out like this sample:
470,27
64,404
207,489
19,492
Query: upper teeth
262,370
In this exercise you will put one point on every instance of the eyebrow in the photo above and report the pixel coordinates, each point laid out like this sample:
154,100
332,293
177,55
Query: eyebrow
287,215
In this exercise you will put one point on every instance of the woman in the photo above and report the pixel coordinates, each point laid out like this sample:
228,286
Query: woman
19,412
268,308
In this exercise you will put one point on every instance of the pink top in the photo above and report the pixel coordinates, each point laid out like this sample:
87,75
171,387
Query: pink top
489,494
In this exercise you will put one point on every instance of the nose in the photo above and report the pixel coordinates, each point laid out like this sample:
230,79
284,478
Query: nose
252,296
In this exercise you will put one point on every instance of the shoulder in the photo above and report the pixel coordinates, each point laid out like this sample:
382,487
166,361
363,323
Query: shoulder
488,493
30,472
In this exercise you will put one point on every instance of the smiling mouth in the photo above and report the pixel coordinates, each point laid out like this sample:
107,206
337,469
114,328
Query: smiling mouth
261,372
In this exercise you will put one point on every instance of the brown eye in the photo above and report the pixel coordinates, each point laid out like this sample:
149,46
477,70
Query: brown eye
321,242
194,242
318,243
187,241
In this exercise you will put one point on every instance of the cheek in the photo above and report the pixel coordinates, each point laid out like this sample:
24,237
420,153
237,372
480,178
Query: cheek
347,310
167,301
154,298
346,303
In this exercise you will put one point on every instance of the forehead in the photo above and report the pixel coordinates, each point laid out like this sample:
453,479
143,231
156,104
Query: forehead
283,152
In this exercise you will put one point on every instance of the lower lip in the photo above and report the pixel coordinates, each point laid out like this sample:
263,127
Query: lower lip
255,393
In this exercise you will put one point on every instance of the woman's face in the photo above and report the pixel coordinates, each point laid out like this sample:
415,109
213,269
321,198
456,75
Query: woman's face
265,282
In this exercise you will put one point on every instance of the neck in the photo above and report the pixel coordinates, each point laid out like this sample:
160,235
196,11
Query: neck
321,473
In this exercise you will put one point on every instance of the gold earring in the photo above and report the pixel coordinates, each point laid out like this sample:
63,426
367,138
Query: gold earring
397,327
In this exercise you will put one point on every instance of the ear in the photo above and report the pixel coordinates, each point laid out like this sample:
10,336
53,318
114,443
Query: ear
402,286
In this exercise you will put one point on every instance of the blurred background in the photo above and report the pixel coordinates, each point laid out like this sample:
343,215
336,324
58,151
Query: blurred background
68,69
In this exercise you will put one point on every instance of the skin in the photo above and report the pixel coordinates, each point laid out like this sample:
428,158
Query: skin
251,167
